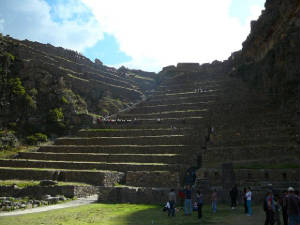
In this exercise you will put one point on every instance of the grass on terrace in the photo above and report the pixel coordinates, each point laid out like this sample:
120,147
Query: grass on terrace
12,152
128,214
267,166
27,183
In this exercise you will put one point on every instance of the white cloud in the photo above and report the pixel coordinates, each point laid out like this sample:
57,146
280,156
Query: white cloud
31,19
164,32
154,33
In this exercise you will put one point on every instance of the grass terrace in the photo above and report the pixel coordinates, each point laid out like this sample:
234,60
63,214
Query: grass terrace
27,183
132,214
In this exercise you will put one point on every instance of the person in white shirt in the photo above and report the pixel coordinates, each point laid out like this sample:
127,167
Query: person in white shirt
248,198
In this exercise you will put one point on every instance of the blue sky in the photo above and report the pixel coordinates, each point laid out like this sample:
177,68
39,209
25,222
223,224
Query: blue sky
108,51
241,9
138,33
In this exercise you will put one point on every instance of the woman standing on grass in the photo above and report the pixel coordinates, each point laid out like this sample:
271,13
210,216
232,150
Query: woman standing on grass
188,200
248,198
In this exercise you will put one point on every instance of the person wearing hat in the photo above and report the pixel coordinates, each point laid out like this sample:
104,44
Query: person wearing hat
293,207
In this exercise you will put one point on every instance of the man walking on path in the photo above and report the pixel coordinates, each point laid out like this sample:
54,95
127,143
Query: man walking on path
188,200
293,207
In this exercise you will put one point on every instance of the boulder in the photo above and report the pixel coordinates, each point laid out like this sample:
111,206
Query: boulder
47,182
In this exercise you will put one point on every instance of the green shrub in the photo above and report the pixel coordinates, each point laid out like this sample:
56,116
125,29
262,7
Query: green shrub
29,102
56,115
12,125
33,92
16,86
36,138
64,100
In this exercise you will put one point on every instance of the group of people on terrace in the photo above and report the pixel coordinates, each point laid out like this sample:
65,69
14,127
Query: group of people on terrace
200,90
285,205
113,121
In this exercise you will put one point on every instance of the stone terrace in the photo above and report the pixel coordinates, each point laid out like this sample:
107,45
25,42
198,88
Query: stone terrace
220,123
143,153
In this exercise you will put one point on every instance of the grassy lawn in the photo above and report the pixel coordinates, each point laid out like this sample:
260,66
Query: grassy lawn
131,214
115,214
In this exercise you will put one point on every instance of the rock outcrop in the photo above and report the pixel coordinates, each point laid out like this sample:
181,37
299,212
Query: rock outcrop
269,59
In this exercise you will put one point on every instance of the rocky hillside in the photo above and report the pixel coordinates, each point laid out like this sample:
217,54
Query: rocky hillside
50,89
269,59
256,112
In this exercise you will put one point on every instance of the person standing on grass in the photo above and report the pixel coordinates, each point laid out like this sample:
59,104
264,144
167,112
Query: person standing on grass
233,196
172,202
188,200
245,200
248,198
277,210
199,197
181,197
293,207
214,199
283,202
269,208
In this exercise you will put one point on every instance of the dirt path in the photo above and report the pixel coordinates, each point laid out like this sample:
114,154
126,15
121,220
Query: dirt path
240,218
78,202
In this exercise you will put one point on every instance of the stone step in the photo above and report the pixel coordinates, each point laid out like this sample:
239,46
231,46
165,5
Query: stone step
286,161
169,107
194,84
94,177
135,140
218,141
182,122
121,167
122,149
130,132
104,157
180,99
253,131
159,179
167,114
217,155
184,88
188,94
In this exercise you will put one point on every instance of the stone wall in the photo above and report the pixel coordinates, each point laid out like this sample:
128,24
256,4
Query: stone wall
250,175
188,67
153,179
133,195
39,191
90,177
227,154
